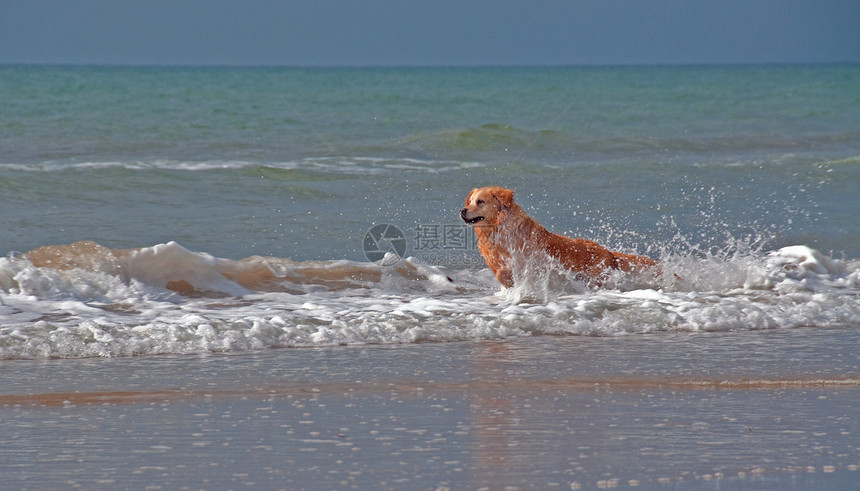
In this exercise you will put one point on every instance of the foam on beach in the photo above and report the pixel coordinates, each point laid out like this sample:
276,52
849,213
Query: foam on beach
84,300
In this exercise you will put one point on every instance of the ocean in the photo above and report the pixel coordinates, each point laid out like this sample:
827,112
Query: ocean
199,240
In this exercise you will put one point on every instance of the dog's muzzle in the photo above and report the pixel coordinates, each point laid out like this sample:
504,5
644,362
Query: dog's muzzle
470,221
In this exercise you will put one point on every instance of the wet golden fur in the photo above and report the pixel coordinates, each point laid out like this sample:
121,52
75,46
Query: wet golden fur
502,227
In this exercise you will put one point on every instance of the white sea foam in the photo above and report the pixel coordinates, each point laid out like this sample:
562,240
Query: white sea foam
91,301
336,165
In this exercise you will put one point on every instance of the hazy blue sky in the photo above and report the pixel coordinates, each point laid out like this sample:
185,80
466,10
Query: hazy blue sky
428,32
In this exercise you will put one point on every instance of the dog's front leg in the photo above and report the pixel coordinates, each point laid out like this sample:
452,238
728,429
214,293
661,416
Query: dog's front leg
505,277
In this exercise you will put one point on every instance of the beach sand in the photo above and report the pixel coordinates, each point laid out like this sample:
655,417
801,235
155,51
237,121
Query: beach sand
735,410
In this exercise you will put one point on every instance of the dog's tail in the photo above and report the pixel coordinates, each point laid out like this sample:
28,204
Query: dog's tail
632,262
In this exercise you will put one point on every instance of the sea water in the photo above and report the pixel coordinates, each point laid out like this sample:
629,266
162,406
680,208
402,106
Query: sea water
189,211
742,181
723,410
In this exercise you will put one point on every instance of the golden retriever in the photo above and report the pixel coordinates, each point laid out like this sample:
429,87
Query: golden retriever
504,229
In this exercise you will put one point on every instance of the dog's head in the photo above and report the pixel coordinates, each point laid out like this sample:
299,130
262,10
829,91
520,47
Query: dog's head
486,207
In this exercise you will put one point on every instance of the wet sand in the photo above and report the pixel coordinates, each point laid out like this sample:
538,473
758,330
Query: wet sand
738,410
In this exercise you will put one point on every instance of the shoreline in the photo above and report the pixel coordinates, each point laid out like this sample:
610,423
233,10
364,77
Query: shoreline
693,411
407,387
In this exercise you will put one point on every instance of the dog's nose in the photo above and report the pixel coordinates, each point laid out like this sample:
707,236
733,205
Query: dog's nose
463,212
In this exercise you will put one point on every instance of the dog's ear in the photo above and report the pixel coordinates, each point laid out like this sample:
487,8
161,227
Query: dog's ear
505,197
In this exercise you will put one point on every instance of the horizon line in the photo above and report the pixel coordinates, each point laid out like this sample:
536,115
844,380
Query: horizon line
425,66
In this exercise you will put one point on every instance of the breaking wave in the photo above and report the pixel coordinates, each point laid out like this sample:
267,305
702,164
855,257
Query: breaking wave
86,300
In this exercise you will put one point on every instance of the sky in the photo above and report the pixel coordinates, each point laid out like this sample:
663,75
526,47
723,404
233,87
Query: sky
428,32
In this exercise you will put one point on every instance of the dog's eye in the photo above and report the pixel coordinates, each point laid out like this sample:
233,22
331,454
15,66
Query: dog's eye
479,202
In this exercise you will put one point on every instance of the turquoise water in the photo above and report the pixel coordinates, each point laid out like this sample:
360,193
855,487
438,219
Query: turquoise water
237,162
229,214
737,178
74,115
